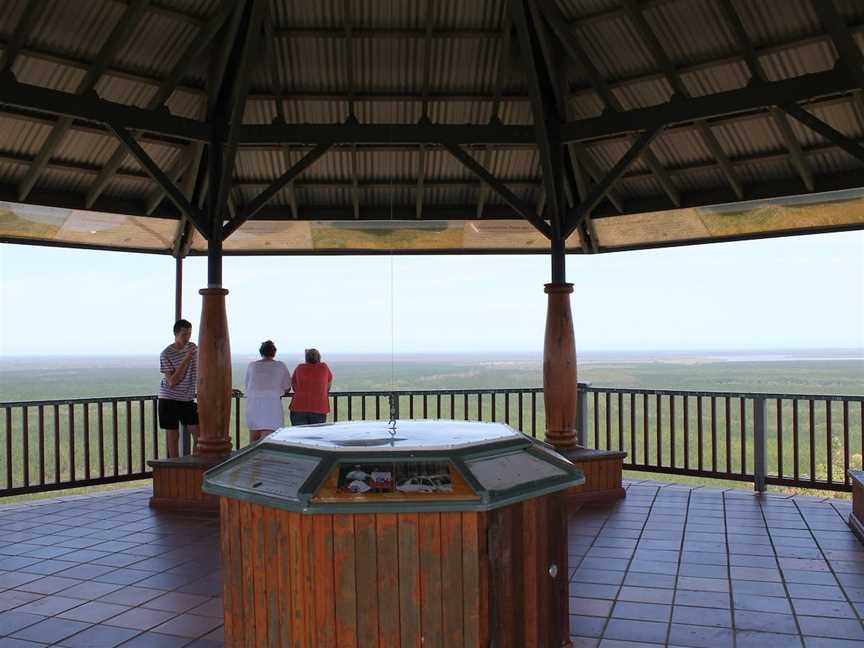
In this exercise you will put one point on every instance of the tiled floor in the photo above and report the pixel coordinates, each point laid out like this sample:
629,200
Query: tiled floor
703,567
669,565
104,571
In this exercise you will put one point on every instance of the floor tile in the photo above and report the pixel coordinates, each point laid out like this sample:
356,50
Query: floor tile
628,629
753,639
51,630
98,636
700,636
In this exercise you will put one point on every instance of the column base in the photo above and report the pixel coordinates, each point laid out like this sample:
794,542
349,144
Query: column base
177,485
603,473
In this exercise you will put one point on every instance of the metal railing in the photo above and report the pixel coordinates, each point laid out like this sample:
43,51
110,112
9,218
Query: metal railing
798,440
807,441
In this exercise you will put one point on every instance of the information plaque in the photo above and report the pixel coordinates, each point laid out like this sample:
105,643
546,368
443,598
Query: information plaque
266,471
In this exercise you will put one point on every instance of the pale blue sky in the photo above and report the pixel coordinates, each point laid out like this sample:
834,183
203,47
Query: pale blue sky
796,292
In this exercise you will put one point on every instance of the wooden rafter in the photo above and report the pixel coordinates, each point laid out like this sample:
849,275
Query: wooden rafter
166,88
638,20
522,208
574,49
109,49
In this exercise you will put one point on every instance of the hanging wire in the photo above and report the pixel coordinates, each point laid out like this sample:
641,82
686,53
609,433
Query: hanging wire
394,402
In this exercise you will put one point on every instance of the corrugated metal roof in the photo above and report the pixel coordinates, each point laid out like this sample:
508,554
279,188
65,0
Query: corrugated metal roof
388,72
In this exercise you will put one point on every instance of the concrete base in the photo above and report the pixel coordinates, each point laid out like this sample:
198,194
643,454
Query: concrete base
602,470
177,485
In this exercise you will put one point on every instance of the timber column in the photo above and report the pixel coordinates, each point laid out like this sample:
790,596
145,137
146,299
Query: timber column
559,368
214,376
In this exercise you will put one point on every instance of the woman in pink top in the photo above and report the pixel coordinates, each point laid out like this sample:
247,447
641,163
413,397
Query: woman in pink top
311,383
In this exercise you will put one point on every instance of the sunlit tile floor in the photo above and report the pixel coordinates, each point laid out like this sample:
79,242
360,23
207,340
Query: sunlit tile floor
668,565
680,566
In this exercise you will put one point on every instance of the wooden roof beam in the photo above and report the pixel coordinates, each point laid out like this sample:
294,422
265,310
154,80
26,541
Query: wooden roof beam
757,75
574,49
164,92
109,49
522,208
583,211
644,29
25,23
547,125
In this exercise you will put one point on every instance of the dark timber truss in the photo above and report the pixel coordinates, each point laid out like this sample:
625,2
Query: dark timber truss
581,163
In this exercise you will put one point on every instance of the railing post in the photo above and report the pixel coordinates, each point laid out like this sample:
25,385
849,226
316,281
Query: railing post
581,412
393,402
759,456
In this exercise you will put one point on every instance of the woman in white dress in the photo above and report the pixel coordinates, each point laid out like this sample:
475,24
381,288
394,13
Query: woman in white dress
267,380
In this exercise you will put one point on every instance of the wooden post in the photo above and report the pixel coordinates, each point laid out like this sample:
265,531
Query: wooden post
559,368
214,376
178,288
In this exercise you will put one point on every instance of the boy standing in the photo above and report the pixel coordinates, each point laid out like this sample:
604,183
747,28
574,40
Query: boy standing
178,364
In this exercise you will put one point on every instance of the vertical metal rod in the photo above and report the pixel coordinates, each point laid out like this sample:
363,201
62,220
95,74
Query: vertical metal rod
534,414
829,442
335,409
760,422
521,420
116,436
596,420
780,438
438,406
86,407
714,433
25,439
378,407
686,432
465,407
795,468
608,400
659,429
742,431
558,252
645,429
620,421
41,415
846,442
154,427
142,434
100,416
424,406
700,444
71,442
350,408
128,437
56,444
728,435
363,407
453,408
632,428
9,447
812,441
672,439
493,403
178,288
506,407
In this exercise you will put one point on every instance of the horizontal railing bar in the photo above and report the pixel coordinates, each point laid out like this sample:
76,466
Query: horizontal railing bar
724,394
78,483
508,390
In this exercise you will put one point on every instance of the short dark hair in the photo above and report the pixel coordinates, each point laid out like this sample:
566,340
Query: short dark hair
313,356
181,324
267,349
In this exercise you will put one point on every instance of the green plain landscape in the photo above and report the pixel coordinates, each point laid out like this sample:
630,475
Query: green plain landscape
800,372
